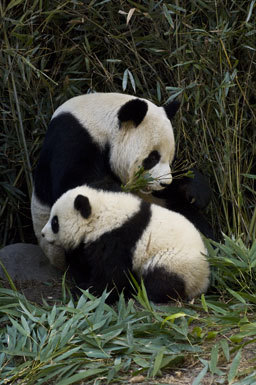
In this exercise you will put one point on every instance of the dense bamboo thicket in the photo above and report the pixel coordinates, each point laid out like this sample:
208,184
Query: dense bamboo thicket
200,51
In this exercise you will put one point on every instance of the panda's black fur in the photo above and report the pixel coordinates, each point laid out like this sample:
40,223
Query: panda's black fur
113,251
189,196
67,148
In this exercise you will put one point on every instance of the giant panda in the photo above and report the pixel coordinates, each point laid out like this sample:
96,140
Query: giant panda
101,139
108,234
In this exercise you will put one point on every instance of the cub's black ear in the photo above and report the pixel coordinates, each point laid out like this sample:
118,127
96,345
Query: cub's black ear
82,205
171,109
135,110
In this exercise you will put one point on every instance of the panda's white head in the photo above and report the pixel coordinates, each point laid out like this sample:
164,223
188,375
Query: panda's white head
69,220
145,138
83,214
136,131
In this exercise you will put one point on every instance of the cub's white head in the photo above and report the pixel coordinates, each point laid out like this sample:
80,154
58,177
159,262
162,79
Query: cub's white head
69,220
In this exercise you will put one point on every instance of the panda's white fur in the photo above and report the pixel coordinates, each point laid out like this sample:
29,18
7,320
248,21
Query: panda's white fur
40,215
120,143
168,245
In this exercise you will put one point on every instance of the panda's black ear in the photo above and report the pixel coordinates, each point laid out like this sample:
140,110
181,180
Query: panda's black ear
82,205
135,110
171,108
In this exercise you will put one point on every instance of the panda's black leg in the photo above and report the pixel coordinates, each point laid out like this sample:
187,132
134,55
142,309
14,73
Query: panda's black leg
163,286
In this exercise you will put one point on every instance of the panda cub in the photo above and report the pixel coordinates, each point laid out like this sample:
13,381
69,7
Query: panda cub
107,234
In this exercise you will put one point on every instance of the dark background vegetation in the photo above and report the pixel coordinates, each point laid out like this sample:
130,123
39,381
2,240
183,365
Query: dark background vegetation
200,51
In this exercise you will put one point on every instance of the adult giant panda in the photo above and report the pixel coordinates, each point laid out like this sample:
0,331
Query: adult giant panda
101,140
107,234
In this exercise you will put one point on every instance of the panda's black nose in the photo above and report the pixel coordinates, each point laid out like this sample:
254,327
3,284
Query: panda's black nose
42,234
164,184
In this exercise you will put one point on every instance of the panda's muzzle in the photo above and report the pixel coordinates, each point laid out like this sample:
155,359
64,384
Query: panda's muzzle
43,236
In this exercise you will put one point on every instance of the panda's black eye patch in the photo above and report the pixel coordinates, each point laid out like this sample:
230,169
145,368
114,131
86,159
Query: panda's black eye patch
55,224
151,160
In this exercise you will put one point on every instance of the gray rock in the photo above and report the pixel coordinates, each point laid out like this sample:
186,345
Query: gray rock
25,262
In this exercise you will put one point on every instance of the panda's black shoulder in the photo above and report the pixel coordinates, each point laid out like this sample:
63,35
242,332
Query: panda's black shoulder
67,149
108,260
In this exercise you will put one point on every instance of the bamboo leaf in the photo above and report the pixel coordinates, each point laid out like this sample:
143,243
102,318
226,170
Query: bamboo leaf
200,376
19,328
158,362
225,348
250,11
132,81
237,296
125,79
234,366
214,358
168,16
204,304
13,3
81,376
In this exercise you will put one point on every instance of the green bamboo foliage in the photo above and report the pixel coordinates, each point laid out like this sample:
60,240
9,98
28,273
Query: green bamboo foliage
202,52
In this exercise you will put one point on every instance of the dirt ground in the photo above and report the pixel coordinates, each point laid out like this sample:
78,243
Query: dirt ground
36,291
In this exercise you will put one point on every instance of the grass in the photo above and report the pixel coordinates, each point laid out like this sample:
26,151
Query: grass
201,52
87,340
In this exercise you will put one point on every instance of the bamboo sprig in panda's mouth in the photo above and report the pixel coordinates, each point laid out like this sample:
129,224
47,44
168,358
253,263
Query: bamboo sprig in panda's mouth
140,181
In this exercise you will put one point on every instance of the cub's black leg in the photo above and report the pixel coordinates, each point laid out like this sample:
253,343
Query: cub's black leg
163,286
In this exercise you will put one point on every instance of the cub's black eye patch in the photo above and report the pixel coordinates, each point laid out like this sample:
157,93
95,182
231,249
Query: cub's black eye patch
55,224
151,160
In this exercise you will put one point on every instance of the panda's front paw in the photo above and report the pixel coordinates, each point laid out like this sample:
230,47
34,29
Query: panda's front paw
196,190
185,190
